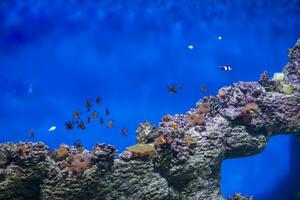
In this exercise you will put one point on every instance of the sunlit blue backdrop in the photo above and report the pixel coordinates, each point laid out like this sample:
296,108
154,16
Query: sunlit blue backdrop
56,54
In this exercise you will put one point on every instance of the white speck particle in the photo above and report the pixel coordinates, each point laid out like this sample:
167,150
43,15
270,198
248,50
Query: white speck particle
52,128
191,47
220,38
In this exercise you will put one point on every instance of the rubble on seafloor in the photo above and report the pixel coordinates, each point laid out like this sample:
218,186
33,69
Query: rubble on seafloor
180,158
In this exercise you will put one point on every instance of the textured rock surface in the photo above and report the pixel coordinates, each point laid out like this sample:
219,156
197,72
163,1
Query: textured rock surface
238,122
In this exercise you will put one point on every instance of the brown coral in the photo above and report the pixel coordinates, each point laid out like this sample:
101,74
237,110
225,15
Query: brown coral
78,163
162,140
251,107
62,152
166,118
142,150
202,108
196,119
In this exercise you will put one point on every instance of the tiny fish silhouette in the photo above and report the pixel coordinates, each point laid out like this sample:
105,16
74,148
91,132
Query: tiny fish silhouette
110,124
90,119
203,88
31,133
78,144
101,120
124,132
76,115
99,100
172,89
180,86
88,105
81,125
69,125
107,112
95,115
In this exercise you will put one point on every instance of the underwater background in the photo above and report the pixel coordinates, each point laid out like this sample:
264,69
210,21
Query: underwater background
54,55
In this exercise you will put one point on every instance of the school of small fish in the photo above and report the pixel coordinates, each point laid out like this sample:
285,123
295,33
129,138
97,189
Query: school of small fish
77,120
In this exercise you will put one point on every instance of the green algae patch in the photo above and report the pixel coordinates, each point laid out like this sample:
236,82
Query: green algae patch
287,88
142,150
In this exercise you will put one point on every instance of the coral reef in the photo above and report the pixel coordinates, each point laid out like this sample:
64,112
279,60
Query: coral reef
184,153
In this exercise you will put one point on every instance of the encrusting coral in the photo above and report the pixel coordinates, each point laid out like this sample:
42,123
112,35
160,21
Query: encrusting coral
181,156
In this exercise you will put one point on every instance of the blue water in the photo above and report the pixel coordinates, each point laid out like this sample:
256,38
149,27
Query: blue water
56,54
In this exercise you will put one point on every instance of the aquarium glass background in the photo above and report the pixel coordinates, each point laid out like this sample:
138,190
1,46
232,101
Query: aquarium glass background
54,55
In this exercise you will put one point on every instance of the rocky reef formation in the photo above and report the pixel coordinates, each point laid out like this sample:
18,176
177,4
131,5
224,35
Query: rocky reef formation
178,159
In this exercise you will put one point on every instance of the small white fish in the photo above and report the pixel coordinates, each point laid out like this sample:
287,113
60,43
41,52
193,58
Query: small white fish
220,38
52,128
225,68
191,47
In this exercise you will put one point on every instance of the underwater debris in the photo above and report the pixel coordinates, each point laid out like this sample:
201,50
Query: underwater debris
107,112
203,88
31,133
88,105
124,132
99,100
81,125
225,68
110,124
69,125
172,89
142,150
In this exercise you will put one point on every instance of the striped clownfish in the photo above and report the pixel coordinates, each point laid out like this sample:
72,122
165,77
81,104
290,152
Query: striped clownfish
225,68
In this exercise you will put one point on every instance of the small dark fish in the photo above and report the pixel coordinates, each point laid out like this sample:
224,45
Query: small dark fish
124,132
95,114
110,124
172,89
81,125
101,120
69,125
180,86
88,105
78,145
225,68
99,100
107,112
203,88
31,133
90,119
76,115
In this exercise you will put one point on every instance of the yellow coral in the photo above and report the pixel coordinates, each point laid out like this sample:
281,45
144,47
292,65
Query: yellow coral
142,150
174,125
